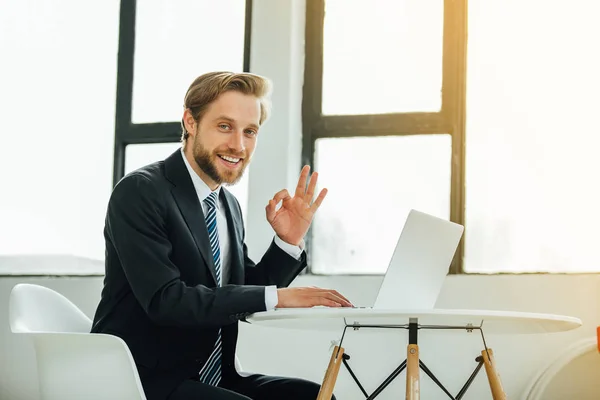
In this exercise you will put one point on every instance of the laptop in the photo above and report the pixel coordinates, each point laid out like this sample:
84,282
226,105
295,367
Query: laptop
420,263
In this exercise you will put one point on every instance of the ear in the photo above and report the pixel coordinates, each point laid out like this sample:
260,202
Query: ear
189,122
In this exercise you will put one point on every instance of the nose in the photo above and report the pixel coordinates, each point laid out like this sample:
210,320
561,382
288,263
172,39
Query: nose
236,141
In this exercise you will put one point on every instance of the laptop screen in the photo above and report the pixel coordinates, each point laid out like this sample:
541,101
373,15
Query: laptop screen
420,262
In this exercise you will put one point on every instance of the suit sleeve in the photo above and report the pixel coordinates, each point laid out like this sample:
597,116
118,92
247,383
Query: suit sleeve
136,228
276,267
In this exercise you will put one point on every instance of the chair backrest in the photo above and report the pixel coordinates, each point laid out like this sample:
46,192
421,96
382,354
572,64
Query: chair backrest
72,363
35,308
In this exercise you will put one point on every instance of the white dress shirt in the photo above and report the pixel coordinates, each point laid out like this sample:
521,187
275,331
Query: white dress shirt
203,191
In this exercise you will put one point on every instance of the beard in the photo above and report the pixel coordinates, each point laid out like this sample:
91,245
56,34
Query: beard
208,164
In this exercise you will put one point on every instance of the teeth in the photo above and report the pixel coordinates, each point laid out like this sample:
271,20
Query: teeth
230,159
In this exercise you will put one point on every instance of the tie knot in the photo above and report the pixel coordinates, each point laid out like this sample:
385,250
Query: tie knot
211,200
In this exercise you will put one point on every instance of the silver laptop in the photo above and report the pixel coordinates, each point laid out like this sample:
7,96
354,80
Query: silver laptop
420,263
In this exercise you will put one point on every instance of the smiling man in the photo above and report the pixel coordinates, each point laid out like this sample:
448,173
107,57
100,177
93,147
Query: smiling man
178,277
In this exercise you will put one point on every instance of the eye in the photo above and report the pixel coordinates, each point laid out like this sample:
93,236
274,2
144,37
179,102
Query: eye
251,132
225,126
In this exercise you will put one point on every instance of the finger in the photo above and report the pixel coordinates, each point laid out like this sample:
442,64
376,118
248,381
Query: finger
281,195
315,206
331,296
271,210
323,301
311,188
343,297
301,188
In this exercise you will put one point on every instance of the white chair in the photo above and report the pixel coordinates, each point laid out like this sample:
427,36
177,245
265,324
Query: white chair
72,363
537,387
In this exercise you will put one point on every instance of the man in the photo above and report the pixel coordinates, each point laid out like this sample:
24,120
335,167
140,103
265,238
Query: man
178,278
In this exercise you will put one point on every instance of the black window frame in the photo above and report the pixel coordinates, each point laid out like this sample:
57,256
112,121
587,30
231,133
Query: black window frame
127,132
449,120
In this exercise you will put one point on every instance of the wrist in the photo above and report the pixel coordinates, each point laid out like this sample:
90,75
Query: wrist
291,242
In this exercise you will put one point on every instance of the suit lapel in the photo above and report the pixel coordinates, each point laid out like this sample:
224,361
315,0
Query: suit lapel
187,200
234,227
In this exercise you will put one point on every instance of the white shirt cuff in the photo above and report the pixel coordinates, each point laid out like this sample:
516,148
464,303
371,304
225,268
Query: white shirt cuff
271,298
294,251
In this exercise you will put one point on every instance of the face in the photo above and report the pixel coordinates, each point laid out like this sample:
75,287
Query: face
223,141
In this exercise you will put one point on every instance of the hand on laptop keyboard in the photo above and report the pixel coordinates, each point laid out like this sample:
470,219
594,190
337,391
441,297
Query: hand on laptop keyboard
310,297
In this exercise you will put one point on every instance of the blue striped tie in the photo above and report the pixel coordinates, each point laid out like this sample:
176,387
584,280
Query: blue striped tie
211,371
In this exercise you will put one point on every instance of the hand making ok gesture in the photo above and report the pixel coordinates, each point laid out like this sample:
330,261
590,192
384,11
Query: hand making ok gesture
292,220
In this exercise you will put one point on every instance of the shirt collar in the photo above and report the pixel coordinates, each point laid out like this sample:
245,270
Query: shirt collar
202,189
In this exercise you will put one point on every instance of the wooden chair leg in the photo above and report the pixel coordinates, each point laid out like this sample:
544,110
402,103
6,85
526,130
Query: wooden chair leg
412,372
493,376
331,374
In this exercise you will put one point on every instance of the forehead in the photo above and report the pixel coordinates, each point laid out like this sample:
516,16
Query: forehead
243,108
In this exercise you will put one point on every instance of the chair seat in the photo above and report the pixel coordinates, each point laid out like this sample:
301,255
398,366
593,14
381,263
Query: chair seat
72,363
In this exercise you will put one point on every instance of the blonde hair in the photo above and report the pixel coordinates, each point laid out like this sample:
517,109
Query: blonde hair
208,87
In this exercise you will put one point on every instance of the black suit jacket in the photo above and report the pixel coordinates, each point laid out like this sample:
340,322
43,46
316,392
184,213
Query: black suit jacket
160,292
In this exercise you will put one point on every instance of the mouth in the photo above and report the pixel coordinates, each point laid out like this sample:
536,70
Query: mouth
230,161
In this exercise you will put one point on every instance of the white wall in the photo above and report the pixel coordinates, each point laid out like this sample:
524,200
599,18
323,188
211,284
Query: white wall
375,354
277,38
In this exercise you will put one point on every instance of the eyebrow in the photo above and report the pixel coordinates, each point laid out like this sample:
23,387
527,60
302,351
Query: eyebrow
229,119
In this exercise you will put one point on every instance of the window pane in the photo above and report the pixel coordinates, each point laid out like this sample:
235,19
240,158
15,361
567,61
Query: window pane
532,190
175,42
372,185
382,56
57,96
139,155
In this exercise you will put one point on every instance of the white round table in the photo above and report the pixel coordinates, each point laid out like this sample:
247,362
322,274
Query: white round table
491,321
340,319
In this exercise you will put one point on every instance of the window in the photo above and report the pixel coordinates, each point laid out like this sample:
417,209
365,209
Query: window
163,47
389,52
366,206
519,109
383,124
175,42
139,155
532,187
58,94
